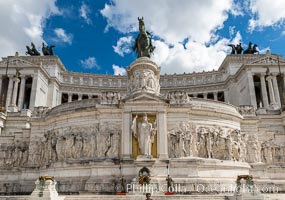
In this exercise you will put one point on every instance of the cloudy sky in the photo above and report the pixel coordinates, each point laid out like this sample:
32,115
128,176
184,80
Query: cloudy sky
96,36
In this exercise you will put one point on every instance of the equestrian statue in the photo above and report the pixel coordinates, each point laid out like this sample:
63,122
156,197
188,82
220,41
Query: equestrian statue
143,45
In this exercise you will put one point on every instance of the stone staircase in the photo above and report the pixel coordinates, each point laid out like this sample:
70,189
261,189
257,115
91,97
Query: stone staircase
127,197
142,197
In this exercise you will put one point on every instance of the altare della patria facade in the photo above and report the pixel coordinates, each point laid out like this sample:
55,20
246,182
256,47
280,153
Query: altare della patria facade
180,136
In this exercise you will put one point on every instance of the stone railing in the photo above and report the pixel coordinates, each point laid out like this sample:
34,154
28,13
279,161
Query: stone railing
84,103
215,106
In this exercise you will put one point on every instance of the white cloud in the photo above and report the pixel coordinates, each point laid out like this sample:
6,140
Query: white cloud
84,11
89,63
232,30
266,13
22,22
119,70
168,19
124,45
63,36
196,57
172,22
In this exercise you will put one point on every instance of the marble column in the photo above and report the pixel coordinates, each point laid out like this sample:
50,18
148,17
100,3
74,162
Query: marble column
251,89
9,92
89,96
15,91
33,92
90,81
59,98
126,142
162,145
264,91
1,80
271,91
79,97
216,96
205,95
226,96
69,97
276,90
195,95
22,92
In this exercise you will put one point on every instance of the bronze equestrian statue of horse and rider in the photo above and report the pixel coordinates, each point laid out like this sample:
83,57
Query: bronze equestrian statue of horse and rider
143,45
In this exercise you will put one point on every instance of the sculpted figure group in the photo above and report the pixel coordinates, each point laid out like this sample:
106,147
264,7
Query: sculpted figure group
47,50
178,97
99,141
14,154
211,142
110,97
237,49
144,80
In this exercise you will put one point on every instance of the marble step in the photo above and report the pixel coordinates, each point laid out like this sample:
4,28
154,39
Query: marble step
142,197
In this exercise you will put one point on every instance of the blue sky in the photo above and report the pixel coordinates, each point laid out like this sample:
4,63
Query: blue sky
96,36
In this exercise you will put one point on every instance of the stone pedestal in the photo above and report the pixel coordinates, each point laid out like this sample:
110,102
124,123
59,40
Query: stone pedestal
12,108
45,190
247,196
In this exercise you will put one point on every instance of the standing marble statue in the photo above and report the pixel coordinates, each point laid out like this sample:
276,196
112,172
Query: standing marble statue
145,133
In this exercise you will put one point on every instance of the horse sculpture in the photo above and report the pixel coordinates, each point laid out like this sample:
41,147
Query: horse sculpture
47,50
143,45
236,49
250,49
32,51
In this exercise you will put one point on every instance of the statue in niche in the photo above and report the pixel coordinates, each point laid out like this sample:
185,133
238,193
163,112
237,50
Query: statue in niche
143,45
145,133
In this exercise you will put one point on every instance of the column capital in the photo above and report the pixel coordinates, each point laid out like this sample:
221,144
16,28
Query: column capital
16,79
23,76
